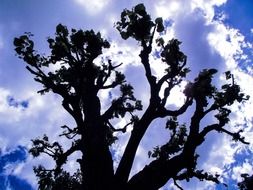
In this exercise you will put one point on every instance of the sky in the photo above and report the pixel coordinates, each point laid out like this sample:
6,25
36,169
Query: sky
214,34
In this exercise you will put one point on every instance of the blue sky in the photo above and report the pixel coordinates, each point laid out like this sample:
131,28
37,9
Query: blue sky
215,33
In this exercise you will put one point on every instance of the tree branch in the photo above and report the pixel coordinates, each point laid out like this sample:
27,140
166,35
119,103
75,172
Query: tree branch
62,158
177,185
210,128
219,127
163,112
200,174
126,162
144,55
123,129
170,75
156,174
236,136
69,132
108,114
112,85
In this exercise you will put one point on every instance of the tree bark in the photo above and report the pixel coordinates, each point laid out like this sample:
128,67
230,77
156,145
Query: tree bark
97,163
156,174
125,165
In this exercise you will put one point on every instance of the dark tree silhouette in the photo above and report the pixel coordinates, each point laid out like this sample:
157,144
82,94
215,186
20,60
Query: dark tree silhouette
78,81
247,183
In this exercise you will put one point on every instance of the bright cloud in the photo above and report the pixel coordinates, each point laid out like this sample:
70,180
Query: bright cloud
170,9
93,7
10,162
229,43
246,167
207,7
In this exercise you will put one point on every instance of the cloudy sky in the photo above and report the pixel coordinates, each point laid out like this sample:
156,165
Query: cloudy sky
215,34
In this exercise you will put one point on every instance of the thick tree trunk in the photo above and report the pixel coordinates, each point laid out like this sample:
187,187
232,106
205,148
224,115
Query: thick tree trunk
97,164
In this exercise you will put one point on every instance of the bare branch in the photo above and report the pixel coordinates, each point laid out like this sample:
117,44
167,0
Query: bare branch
219,127
199,174
177,185
113,85
236,136
33,72
103,79
70,133
123,129
163,112
211,108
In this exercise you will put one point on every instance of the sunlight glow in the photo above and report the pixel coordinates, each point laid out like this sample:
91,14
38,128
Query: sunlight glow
93,7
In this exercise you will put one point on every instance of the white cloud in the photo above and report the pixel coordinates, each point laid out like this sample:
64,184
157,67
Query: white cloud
229,43
220,154
174,8
171,9
44,115
93,7
207,7
246,167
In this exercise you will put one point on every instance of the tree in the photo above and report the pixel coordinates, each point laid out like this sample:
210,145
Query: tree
247,182
78,81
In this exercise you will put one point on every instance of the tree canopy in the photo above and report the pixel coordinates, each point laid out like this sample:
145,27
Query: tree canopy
78,80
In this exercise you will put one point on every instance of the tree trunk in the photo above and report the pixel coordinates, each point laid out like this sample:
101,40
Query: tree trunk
97,163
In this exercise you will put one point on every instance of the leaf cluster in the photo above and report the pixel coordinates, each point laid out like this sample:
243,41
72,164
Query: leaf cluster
63,180
136,23
74,53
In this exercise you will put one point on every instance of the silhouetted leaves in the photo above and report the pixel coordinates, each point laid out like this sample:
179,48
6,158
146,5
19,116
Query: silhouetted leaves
136,23
62,181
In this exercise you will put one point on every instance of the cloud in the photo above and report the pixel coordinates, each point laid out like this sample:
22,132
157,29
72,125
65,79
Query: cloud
24,119
246,167
229,43
93,7
207,7
9,161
